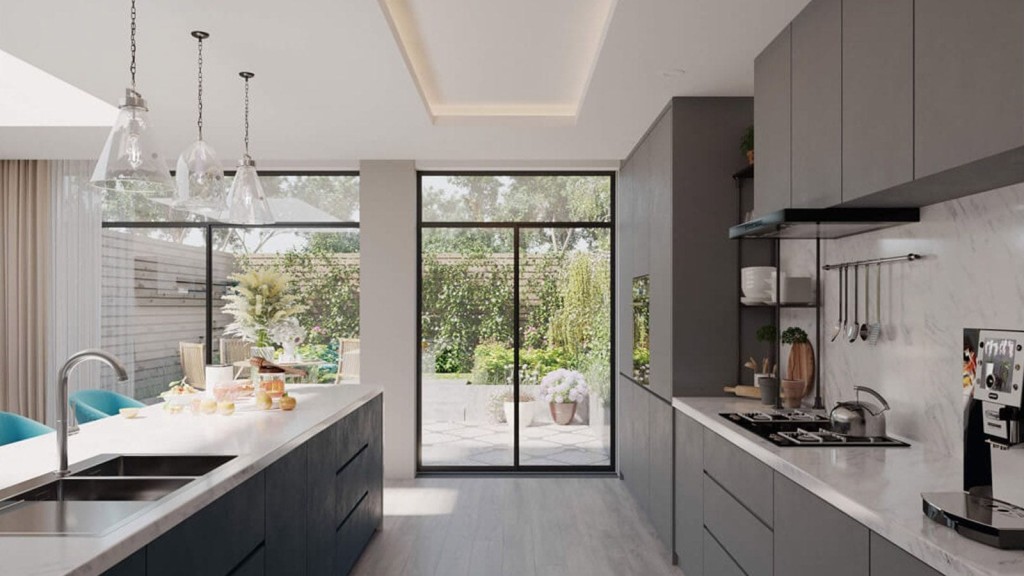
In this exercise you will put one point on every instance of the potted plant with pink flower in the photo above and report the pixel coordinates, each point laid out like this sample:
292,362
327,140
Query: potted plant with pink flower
562,389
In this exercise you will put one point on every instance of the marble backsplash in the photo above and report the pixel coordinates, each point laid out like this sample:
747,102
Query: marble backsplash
972,275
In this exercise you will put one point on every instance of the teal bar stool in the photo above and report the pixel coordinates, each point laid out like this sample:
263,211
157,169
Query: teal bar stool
14,427
92,405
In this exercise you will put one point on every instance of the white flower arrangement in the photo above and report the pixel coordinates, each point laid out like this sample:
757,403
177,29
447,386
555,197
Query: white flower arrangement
259,301
288,332
563,387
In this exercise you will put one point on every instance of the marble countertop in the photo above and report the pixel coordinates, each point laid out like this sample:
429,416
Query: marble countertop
879,487
258,439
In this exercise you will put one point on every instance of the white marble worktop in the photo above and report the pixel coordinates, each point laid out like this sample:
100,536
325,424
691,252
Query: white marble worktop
879,487
258,438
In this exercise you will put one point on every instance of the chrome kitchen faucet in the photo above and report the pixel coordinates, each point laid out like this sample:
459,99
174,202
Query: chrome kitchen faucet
62,395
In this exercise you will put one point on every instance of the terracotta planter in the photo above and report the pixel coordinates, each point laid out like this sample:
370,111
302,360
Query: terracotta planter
792,393
750,157
562,412
801,365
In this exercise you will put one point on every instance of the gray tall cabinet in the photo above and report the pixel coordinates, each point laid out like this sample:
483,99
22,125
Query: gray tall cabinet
674,202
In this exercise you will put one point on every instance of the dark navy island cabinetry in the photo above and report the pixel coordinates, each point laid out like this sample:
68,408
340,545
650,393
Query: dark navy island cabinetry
312,512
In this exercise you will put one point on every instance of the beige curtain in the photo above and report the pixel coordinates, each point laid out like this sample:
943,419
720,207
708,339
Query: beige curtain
24,285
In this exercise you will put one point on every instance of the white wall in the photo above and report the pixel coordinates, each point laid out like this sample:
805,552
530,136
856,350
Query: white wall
972,276
387,317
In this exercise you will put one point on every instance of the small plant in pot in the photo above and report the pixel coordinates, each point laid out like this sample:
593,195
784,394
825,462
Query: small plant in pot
747,145
503,406
800,367
562,389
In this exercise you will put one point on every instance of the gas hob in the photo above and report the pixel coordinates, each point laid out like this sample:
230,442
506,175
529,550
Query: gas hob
800,428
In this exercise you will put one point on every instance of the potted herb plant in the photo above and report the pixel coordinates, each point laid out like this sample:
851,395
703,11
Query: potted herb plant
562,389
747,144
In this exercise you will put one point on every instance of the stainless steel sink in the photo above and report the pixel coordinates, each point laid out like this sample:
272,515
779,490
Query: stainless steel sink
100,494
163,465
105,489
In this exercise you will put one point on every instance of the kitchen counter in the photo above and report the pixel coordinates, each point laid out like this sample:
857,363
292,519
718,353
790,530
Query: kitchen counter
257,438
879,487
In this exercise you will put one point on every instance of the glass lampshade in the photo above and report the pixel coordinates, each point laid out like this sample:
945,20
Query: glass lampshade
247,203
200,178
131,159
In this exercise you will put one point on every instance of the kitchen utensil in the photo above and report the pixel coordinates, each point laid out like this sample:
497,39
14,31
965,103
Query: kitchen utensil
875,330
859,418
846,301
867,304
743,391
851,330
838,328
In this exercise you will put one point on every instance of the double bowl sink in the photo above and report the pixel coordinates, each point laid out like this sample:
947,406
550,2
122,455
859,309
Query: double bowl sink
98,494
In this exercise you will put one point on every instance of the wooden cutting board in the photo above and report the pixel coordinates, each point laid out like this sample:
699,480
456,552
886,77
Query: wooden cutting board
744,391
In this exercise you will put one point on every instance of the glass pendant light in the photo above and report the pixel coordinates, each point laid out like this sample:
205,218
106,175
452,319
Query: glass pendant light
200,175
247,204
131,160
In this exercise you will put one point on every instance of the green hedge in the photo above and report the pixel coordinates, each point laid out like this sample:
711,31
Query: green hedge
492,362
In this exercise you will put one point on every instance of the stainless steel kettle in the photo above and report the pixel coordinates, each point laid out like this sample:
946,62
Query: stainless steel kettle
857,418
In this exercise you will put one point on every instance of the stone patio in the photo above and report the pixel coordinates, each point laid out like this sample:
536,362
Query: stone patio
467,443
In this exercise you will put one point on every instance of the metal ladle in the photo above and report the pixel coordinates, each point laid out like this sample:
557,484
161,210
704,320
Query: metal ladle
853,329
876,327
864,329
838,328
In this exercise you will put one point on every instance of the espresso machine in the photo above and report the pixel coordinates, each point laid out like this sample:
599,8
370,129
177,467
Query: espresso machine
990,509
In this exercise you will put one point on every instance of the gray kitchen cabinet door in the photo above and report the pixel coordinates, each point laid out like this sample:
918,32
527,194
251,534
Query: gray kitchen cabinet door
627,445
717,561
285,546
661,470
887,559
215,540
817,105
744,477
813,538
747,540
968,81
641,484
321,503
689,504
772,126
878,96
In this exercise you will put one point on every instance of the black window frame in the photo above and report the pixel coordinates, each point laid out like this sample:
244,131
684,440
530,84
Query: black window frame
516,468
210,226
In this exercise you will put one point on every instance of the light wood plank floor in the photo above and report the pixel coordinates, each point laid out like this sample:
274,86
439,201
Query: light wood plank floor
515,527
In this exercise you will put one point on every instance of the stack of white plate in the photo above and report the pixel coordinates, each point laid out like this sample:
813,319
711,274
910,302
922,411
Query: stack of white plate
756,282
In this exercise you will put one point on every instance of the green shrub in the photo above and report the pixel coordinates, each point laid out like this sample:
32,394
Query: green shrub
493,362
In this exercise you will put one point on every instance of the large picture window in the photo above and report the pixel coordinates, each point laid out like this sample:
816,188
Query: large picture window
516,321
165,273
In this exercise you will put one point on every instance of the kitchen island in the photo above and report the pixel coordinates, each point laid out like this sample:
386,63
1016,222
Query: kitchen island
854,510
302,495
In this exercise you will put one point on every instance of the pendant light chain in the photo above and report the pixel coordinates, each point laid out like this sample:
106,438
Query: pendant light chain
246,115
132,68
199,122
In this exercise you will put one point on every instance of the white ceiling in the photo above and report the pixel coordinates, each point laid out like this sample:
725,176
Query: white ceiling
332,85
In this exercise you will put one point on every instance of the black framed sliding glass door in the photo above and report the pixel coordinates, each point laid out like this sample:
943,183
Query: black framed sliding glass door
515,322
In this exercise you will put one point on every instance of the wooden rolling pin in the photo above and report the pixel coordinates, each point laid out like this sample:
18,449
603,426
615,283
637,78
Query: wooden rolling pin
743,391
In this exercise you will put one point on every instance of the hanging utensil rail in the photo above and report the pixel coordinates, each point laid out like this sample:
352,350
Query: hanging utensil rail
905,258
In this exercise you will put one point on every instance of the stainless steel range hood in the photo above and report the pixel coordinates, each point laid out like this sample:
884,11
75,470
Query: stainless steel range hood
813,223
